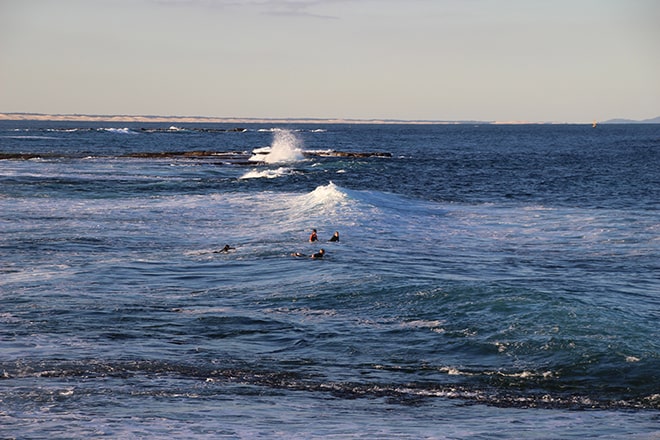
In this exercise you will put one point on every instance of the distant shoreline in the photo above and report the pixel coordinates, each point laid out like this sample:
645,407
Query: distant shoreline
236,120
227,120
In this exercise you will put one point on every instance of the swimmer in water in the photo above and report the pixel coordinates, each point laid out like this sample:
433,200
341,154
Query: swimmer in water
335,236
227,248
315,256
313,237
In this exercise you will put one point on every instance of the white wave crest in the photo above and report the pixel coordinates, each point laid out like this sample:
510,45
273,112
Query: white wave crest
325,201
268,174
327,194
119,130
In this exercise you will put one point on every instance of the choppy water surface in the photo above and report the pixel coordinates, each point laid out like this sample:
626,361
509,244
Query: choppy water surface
489,281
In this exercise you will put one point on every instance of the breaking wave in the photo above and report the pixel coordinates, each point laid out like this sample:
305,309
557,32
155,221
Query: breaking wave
266,174
286,147
125,130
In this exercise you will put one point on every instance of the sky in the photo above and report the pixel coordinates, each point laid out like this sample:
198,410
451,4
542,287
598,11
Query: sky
445,60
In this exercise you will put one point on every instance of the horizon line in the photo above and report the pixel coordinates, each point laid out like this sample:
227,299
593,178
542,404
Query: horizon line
83,117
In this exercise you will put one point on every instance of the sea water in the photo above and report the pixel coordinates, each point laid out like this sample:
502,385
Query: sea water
489,281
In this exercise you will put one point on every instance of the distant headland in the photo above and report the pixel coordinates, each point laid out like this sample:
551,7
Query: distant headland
633,121
234,120
220,120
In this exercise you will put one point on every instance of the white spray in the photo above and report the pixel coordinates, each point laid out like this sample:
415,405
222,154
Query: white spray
286,147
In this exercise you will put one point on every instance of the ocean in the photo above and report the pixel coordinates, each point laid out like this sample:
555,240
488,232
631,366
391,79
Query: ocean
490,281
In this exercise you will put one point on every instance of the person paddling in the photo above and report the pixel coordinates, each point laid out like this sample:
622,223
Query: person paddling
227,248
316,256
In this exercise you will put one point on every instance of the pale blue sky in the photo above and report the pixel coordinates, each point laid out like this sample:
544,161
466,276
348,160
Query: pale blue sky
559,60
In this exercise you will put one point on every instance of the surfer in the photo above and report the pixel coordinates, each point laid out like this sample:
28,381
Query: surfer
313,237
315,256
335,236
227,248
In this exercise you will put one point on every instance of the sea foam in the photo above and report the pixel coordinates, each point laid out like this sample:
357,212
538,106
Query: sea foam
268,174
124,130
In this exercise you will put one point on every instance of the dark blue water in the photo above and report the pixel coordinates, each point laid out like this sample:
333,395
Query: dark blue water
490,281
